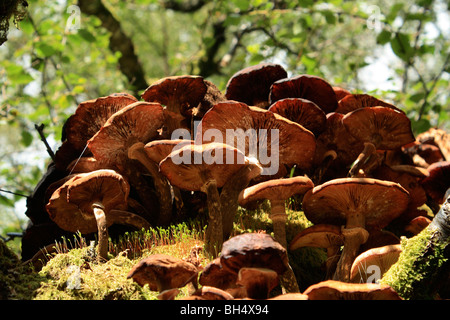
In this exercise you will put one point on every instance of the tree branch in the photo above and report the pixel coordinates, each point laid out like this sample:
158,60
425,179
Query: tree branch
118,42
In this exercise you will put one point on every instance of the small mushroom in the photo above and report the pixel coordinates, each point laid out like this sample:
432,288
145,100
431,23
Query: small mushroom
337,290
277,191
251,85
437,183
163,272
356,204
92,202
325,236
258,282
308,87
214,275
257,250
374,261
416,225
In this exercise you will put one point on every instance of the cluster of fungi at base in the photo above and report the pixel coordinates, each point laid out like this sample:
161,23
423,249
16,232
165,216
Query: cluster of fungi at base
350,160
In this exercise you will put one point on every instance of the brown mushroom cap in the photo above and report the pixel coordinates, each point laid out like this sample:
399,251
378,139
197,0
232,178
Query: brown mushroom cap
382,258
257,250
355,101
159,149
340,92
236,116
258,282
215,276
303,112
373,202
90,116
276,189
162,272
251,85
438,181
138,122
386,128
307,87
192,165
319,235
337,290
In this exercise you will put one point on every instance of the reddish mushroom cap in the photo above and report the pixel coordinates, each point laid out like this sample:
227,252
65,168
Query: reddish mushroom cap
275,189
319,235
159,149
138,122
239,123
251,85
386,128
307,87
379,202
301,111
192,165
90,116
352,102
437,183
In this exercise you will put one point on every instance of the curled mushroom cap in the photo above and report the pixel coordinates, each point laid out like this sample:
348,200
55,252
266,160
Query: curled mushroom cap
319,235
259,133
303,112
337,290
307,87
355,101
163,272
90,116
374,262
138,122
438,181
251,85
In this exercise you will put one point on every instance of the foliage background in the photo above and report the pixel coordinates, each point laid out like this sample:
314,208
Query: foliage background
65,52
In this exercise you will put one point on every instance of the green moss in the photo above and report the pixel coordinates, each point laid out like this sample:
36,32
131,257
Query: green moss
418,264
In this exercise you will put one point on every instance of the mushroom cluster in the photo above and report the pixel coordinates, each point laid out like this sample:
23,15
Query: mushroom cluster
188,150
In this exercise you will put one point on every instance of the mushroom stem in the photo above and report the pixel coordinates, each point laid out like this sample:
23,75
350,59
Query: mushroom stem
214,231
102,226
353,238
278,217
364,157
230,194
328,158
162,187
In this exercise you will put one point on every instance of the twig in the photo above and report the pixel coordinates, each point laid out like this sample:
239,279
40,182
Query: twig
40,130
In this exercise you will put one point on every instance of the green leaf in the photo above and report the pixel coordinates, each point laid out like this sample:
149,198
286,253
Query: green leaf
45,50
384,37
86,35
27,138
401,46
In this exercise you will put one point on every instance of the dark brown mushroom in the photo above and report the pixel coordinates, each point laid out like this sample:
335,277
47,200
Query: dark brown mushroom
163,272
308,87
303,112
355,101
258,282
251,85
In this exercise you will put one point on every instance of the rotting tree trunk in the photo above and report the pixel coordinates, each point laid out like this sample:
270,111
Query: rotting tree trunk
424,264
